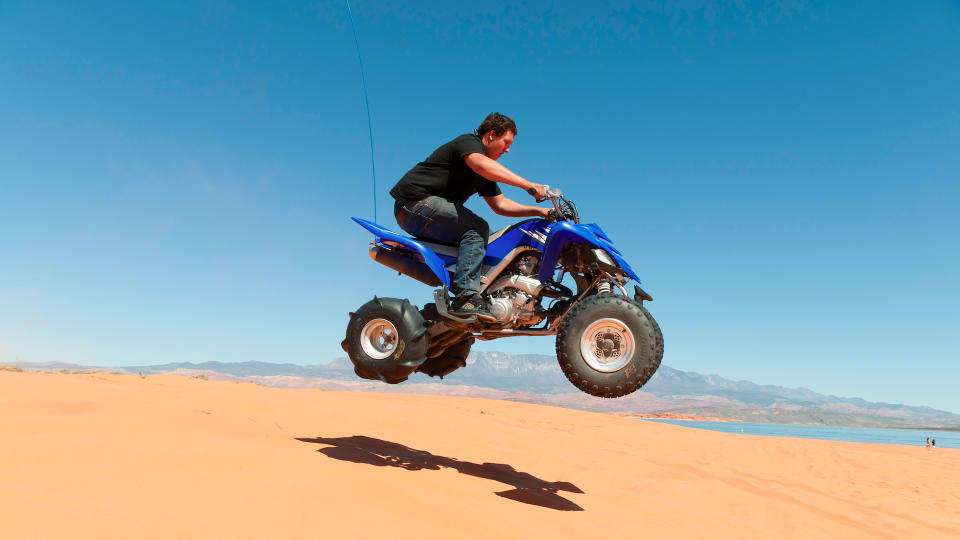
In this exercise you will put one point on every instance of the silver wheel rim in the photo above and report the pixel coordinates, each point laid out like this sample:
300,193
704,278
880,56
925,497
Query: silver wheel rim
378,339
607,345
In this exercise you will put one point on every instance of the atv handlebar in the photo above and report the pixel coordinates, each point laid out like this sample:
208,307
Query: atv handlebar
552,194
563,210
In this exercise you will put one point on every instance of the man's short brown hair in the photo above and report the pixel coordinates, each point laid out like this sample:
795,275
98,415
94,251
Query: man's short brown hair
498,124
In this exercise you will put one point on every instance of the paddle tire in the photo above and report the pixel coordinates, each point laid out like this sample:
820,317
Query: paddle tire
450,360
386,340
609,346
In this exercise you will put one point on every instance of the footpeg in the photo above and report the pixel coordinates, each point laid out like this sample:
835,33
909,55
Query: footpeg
442,300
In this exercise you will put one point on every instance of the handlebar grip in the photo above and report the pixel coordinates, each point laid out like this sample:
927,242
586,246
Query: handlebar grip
533,192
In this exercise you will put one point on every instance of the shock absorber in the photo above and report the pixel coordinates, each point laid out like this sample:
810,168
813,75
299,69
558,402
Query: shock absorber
604,286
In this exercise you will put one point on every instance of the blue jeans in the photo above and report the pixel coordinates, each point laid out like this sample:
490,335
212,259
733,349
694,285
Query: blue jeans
439,219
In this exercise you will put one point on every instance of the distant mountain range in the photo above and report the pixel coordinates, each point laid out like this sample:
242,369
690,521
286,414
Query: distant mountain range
538,379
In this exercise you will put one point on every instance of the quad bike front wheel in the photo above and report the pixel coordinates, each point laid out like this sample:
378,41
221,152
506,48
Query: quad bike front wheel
657,334
609,346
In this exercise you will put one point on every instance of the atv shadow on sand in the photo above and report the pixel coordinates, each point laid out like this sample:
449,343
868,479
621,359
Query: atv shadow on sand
526,488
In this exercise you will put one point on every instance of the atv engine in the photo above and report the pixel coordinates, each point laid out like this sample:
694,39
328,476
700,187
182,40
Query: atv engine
513,296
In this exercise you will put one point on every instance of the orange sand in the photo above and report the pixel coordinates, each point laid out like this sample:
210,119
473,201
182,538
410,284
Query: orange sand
118,456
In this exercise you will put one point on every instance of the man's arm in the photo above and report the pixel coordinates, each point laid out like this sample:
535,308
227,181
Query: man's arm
491,170
505,207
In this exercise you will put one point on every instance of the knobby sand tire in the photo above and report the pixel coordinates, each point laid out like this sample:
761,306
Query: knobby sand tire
408,352
647,351
656,331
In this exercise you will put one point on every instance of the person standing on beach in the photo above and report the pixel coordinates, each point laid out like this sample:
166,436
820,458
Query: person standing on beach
933,443
928,442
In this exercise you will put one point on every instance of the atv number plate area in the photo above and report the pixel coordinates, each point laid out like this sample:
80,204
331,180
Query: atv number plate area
607,345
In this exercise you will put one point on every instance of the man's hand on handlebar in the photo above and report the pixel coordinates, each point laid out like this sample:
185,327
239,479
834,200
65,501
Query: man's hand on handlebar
539,191
553,215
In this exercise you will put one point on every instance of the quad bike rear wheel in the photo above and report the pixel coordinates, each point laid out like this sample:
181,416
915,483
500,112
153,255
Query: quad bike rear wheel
386,340
608,345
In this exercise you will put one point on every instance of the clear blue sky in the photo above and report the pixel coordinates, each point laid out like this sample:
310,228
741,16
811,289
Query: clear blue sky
176,180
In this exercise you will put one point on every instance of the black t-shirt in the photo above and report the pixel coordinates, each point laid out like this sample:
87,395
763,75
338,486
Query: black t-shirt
446,174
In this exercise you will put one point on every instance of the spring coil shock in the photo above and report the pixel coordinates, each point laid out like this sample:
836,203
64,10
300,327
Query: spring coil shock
604,286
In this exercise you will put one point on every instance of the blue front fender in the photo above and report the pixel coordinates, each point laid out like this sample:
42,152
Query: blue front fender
430,258
564,232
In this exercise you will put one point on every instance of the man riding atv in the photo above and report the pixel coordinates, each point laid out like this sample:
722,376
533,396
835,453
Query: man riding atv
430,197
607,343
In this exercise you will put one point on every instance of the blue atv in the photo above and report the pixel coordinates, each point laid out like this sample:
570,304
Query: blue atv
608,344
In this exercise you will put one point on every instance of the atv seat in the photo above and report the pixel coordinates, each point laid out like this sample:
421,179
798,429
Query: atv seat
425,240
493,236
440,248
451,249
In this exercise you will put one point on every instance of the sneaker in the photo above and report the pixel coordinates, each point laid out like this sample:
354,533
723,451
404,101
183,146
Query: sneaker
468,305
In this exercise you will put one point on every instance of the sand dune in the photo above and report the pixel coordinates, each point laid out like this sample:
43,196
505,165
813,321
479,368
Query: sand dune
166,456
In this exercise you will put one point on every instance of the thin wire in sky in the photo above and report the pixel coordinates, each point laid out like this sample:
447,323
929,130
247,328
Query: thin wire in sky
366,100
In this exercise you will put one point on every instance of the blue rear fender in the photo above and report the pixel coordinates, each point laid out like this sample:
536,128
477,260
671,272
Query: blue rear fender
431,259
564,232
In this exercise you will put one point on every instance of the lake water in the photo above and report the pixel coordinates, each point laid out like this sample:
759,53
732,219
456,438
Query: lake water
910,437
